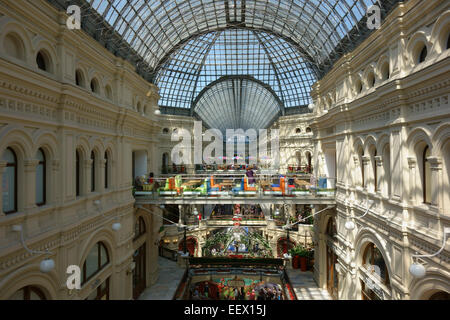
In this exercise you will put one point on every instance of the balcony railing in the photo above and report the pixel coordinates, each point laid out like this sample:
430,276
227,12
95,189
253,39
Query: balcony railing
234,185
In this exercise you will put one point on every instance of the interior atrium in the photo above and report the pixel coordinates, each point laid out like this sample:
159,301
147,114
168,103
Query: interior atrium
224,150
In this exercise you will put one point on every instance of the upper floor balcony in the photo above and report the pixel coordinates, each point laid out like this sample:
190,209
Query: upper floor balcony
223,188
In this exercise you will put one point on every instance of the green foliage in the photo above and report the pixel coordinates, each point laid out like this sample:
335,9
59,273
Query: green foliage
300,251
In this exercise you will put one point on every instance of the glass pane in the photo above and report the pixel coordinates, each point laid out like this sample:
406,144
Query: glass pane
40,156
104,256
8,156
8,189
19,295
92,262
34,295
427,177
40,184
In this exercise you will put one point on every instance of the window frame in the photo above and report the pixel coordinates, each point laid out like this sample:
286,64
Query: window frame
99,245
425,175
93,173
15,165
44,179
77,174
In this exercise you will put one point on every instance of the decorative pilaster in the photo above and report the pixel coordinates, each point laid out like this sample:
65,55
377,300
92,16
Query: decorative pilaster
100,185
29,183
380,174
54,191
87,166
366,168
413,192
437,196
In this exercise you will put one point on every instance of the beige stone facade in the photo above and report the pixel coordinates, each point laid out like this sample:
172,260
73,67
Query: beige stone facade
375,139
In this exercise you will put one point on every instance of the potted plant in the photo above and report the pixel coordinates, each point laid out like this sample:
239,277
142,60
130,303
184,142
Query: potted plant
295,253
303,258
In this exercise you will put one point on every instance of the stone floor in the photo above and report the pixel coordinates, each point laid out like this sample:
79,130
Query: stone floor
170,275
168,279
305,287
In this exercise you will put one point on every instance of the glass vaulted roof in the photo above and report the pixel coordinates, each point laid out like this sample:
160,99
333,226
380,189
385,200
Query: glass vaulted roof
208,57
154,27
184,46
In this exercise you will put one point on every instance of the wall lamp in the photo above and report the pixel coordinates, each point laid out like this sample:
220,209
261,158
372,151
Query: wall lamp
47,264
350,225
418,269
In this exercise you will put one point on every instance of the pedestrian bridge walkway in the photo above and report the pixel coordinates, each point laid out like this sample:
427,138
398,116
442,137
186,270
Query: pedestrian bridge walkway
231,189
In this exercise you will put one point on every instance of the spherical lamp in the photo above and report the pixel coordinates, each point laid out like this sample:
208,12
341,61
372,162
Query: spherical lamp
350,225
157,112
47,265
116,226
417,270
311,106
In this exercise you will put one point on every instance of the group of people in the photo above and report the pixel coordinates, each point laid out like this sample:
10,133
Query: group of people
146,180
255,291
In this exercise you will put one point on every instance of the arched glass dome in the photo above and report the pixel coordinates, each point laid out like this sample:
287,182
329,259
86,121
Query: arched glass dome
231,52
237,103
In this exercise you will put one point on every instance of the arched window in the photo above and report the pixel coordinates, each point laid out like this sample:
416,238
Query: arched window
375,171
93,171
96,260
41,180
9,182
139,227
440,295
308,130
41,61
165,130
77,173
94,86
359,86
361,165
79,80
106,170
29,293
423,54
372,257
298,130
371,80
14,46
426,179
